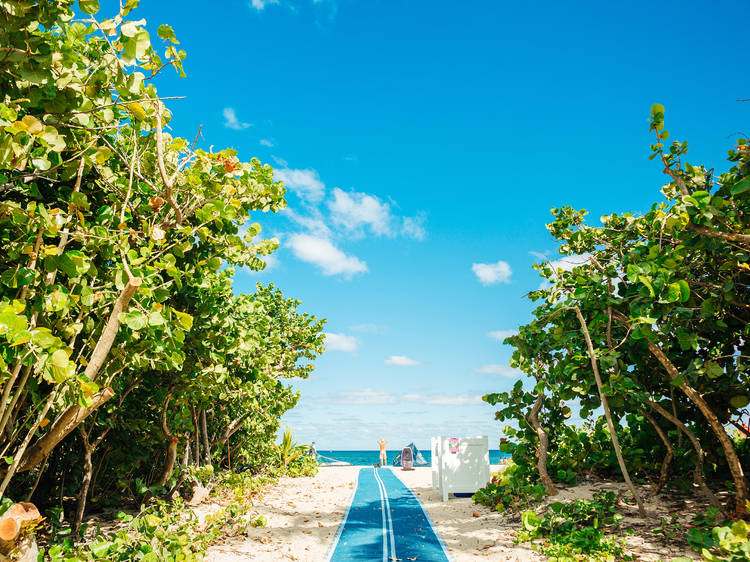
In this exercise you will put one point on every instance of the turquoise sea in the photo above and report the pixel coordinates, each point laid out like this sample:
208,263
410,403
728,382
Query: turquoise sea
368,458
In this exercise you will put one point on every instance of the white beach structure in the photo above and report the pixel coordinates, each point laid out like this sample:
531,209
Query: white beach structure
459,465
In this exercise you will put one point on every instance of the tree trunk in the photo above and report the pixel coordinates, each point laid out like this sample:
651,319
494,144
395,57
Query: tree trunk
86,481
62,426
735,467
186,454
171,445
698,478
107,338
204,435
15,541
234,427
667,458
196,437
541,463
608,414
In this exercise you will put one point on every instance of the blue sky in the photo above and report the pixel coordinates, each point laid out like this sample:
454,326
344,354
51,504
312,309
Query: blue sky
423,145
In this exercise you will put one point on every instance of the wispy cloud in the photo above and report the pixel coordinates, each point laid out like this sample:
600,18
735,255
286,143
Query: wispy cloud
363,396
341,342
314,223
260,4
500,335
444,399
414,227
231,121
543,256
491,273
402,361
355,211
568,263
372,396
321,252
266,142
502,370
306,183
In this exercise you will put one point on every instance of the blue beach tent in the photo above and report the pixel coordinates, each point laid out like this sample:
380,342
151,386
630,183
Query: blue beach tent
416,455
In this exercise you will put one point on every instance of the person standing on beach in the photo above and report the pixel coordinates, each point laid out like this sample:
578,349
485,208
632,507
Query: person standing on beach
383,458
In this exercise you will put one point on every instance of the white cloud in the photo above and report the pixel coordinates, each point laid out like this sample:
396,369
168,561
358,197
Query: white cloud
231,121
321,252
266,142
502,370
353,211
314,224
364,396
306,183
279,161
500,335
444,399
402,361
491,273
543,256
260,4
568,263
413,227
341,342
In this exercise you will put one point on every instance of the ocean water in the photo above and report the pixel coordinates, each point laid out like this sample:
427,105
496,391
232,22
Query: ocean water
368,458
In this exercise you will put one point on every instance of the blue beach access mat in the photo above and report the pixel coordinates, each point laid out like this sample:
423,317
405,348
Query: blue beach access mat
386,522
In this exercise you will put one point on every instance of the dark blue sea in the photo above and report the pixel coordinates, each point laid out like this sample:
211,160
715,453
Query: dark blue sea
365,458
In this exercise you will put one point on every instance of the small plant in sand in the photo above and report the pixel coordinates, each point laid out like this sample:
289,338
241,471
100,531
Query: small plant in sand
577,530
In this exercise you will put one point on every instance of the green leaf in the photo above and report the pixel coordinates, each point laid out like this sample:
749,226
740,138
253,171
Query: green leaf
167,33
645,280
102,155
185,320
684,290
155,319
89,7
741,186
656,109
135,320
59,359
713,369
739,401
530,520
673,292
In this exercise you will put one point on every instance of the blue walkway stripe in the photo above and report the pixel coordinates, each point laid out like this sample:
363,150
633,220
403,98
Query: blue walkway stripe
386,522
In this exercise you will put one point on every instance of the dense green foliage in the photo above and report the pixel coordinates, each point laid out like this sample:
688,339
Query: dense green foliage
163,531
576,530
128,365
647,324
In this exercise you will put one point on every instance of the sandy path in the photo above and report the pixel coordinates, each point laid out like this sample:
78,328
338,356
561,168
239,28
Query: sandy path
304,515
467,537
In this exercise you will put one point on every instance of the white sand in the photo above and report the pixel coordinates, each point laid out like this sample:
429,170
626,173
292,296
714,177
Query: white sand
304,515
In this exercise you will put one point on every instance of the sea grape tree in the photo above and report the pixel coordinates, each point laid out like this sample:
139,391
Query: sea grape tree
106,219
653,323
